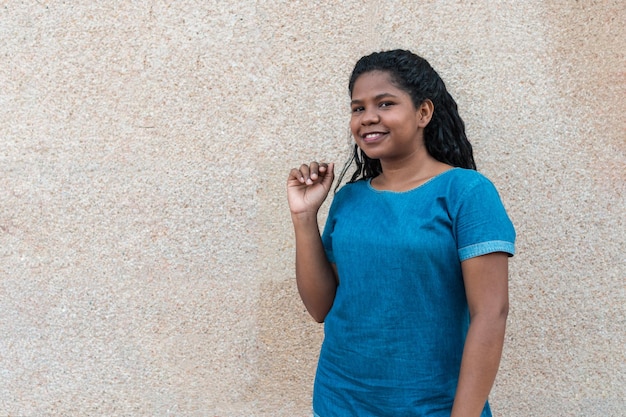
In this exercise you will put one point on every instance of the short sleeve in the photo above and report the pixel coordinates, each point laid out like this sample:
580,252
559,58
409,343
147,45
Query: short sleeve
482,225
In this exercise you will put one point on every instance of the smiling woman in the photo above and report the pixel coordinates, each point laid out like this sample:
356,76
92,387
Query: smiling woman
415,245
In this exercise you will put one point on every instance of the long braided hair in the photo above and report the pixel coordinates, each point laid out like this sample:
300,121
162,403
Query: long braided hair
444,136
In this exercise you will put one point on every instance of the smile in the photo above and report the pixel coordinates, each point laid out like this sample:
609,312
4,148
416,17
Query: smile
373,136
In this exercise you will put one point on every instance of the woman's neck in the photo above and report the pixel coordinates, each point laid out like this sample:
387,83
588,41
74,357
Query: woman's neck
406,175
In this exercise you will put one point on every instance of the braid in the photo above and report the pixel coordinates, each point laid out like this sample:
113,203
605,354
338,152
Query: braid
365,167
446,124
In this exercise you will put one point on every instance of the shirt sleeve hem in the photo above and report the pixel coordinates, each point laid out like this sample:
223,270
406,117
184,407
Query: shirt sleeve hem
484,248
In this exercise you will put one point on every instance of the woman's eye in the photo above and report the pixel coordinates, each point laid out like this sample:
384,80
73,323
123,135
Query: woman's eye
357,109
386,104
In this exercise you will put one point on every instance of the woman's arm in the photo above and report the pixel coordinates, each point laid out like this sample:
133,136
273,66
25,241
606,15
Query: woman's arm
486,287
307,188
315,276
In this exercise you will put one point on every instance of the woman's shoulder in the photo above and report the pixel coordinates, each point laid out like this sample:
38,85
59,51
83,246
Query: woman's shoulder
466,178
466,174
352,187
460,184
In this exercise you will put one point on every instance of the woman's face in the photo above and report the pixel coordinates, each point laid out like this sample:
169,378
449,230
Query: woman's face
385,123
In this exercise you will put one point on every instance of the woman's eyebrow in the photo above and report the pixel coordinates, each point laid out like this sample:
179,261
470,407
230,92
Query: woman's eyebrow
378,97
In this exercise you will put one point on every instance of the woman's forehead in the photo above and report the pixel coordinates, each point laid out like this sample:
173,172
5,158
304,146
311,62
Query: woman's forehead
375,83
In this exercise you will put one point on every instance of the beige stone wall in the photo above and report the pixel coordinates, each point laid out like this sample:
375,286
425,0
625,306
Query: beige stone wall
146,249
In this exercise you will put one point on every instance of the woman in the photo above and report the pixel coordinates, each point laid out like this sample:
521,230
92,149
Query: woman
410,275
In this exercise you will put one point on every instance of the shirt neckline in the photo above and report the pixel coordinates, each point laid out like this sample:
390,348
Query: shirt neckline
428,181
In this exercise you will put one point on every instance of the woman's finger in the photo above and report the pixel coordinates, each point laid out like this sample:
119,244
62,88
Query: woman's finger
306,172
296,174
314,171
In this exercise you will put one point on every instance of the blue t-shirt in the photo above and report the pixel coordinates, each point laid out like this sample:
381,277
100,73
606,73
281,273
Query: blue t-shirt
394,337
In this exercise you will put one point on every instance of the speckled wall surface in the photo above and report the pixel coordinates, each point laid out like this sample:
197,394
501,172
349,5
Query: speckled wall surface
146,253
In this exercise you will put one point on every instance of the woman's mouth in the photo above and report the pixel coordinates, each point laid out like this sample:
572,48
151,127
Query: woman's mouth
373,136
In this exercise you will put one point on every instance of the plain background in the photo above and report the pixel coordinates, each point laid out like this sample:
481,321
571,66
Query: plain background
146,250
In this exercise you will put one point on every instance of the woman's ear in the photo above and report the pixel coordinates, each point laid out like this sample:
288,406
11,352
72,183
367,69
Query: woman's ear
425,113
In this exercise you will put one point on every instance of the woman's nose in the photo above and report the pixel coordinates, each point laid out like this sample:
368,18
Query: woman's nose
369,116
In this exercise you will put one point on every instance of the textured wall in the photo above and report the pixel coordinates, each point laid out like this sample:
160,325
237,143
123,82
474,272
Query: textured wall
146,254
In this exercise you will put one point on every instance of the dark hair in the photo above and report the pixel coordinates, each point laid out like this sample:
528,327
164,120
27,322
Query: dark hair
444,136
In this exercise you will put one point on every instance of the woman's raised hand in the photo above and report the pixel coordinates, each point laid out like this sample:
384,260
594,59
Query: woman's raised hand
308,187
